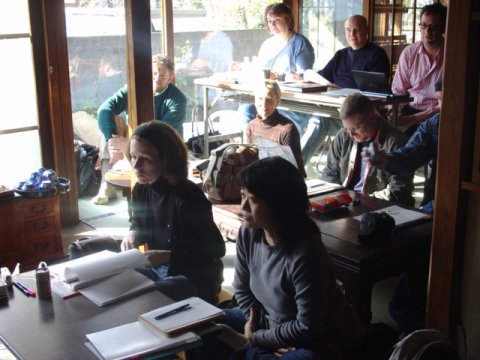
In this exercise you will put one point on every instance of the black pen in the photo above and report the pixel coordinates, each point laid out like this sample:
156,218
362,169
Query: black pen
173,311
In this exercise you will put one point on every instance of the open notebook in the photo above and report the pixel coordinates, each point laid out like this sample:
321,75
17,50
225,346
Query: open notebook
103,277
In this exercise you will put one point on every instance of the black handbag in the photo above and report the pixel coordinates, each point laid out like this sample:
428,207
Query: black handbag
196,144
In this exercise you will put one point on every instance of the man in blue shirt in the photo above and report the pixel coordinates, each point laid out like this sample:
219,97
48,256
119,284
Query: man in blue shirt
363,55
421,149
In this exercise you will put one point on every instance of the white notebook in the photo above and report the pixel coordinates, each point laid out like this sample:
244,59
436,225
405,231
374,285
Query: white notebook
193,312
136,339
104,277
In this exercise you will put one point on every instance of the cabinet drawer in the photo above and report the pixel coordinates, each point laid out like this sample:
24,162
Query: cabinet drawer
40,225
38,208
11,230
40,246
10,259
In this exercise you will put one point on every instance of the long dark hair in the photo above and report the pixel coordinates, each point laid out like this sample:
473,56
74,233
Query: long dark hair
279,183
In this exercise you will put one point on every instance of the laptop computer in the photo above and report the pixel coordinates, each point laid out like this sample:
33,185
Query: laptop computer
369,83
372,84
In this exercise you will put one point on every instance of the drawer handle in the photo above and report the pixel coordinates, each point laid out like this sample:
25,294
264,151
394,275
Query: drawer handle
40,225
38,208
39,247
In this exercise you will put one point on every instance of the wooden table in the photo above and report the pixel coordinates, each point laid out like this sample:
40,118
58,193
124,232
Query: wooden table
55,329
357,266
315,103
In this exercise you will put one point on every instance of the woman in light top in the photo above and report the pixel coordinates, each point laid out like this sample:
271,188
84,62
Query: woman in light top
290,306
172,216
285,52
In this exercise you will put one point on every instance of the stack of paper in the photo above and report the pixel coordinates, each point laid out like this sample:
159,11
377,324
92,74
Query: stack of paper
3,292
136,339
106,276
159,330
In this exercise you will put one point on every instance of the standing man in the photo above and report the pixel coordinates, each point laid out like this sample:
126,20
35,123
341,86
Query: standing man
419,67
362,54
362,127
170,106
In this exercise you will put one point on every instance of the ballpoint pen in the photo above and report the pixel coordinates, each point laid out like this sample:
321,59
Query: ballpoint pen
24,289
173,311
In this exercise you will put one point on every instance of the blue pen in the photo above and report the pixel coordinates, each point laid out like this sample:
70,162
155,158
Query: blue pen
172,312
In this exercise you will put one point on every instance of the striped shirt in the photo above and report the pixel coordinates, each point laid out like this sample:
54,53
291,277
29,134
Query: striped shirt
416,73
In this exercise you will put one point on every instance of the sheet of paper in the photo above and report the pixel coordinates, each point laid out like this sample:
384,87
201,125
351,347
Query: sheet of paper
117,287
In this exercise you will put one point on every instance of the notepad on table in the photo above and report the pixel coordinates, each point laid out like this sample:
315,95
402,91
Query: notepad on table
137,339
106,276
197,312
402,216
319,187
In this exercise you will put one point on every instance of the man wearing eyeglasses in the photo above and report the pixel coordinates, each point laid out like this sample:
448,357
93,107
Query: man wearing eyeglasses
419,67
170,105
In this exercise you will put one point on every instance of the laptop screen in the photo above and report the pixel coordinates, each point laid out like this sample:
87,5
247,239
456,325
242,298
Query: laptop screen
369,82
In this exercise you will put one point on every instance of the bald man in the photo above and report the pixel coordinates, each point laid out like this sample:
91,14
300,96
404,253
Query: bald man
363,55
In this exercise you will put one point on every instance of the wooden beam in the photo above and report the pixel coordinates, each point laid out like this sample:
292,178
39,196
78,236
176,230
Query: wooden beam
60,108
139,62
454,160
168,46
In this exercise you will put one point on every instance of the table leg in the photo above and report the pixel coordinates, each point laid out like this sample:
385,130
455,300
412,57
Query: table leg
206,103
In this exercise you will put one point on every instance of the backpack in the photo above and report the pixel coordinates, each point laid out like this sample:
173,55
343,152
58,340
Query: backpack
88,180
225,165
425,344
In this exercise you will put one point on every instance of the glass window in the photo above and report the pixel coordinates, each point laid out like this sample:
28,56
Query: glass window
322,22
97,60
19,135
211,34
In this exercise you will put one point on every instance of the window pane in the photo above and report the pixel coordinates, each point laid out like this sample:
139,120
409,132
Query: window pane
210,34
97,59
23,159
323,24
14,17
18,90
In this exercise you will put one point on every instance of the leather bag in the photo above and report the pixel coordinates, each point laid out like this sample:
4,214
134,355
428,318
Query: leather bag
225,165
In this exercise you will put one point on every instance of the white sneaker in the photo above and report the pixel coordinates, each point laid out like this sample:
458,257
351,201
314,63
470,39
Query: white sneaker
105,194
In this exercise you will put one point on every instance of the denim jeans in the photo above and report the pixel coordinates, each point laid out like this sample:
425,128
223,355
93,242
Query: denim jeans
317,131
177,287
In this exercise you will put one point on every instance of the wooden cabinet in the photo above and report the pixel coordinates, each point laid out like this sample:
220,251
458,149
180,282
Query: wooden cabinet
30,231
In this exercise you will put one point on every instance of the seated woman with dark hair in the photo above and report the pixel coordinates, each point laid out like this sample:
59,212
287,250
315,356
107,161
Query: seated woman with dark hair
172,216
289,303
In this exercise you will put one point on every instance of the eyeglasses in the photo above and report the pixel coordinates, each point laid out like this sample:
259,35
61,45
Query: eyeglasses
162,76
431,27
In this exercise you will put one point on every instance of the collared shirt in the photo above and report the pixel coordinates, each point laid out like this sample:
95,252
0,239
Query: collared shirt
416,74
